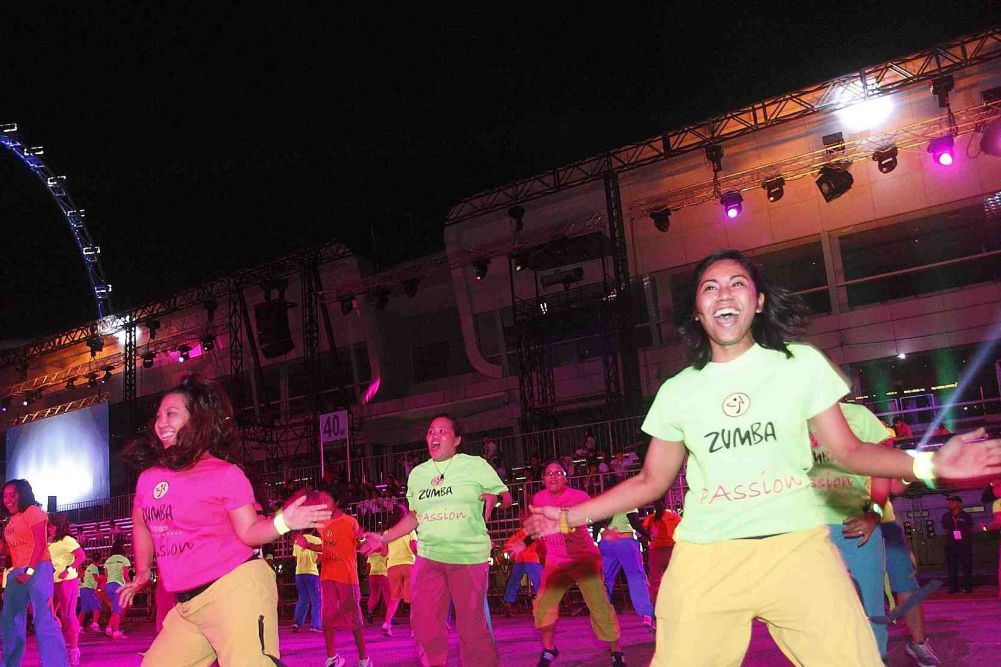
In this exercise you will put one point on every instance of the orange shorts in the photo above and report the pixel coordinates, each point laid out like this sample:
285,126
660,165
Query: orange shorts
399,582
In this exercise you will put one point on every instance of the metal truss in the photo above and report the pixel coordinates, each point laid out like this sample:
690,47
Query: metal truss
914,136
129,377
74,216
75,404
218,290
311,352
884,79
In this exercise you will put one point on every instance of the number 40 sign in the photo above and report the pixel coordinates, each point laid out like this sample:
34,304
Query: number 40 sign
333,427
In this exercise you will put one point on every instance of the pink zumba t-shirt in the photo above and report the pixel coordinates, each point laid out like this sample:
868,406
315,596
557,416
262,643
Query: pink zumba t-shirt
187,513
566,549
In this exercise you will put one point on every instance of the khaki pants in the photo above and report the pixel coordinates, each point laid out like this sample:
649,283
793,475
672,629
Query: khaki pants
222,623
556,581
796,583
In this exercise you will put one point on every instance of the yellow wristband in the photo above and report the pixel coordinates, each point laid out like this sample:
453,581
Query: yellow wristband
280,524
923,468
564,523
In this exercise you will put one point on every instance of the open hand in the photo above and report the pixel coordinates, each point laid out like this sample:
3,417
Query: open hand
968,456
860,528
129,591
299,517
542,520
371,542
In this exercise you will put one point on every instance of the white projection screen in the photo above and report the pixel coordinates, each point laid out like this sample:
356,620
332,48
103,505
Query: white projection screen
64,456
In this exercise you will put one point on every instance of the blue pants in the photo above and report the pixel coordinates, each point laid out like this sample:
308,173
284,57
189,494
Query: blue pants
534,572
867,568
308,586
624,554
38,591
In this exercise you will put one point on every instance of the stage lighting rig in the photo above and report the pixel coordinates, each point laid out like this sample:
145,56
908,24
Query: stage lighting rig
774,188
732,203
834,182
96,343
107,374
71,383
481,266
183,353
885,159
5,404
91,380
941,150
714,153
148,358
661,219
941,87
518,261
990,139
517,213
207,342
152,327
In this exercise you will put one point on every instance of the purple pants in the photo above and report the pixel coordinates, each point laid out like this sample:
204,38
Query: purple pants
432,585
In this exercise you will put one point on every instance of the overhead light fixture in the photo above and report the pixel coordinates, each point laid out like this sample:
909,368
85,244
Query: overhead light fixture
5,404
152,327
71,383
107,374
148,358
518,261
91,380
480,267
661,219
885,159
941,87
347,305
183,353
96,343
207,342
834,182
26,399
941,150
834,143
732,203
714,153
410,286
517,213
990,139
774,188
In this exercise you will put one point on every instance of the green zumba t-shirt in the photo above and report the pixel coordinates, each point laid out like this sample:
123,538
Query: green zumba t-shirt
450,526
844,494
744,424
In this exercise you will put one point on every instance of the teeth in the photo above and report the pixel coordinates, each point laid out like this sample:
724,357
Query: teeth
725,311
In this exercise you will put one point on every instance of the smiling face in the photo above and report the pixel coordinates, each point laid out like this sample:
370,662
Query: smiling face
555,478
442,440
10,498
171,417
726,301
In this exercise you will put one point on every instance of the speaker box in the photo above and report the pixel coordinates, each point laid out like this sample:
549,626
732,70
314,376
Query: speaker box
273,334
52,504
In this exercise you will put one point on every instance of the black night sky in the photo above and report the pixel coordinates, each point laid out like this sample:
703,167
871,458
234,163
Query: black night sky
203,139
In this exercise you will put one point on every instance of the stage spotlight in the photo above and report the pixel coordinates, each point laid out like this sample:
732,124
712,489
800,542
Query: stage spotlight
5,404
732,203
834,143
410,286
774,188
941,150
347,305
661,219
71,383
714,153
26,399
941,87
95,343
91,380
517,214
518,261
153,326
833,182
481,266
107,374
885,159
148,358
990,140
207,342
183,353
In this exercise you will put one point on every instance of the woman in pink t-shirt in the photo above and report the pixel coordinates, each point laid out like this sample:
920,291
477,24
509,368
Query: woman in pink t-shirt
571,559
194,510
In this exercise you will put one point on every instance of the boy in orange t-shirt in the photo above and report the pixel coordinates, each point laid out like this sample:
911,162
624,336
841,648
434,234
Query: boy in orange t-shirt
339,592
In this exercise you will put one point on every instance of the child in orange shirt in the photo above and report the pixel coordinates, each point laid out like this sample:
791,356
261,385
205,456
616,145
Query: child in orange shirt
340,594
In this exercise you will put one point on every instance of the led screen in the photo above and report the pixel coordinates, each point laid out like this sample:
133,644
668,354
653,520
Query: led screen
64,456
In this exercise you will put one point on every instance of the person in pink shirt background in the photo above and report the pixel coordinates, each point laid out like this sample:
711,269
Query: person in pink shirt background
194,511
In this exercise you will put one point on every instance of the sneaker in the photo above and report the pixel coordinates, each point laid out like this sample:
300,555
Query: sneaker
117,634
294,628
648,622
367,662
618,660
95,627
548,655
74,656
922,654
387,629
316,629
108,632
336,661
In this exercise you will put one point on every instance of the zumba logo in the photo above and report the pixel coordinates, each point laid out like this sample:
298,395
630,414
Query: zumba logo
736,404
160,490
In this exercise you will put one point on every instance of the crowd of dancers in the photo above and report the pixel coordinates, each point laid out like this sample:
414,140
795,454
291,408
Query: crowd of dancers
786,520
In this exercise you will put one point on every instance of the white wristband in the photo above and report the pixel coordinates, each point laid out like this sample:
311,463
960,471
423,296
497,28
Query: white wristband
280,524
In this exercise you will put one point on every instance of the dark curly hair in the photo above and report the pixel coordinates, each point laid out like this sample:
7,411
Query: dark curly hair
211,429
782,318
25,494
61,524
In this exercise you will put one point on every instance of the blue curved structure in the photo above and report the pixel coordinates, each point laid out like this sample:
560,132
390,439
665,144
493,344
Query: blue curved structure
55,184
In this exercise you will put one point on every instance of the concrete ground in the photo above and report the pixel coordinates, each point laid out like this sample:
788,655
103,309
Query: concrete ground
964,630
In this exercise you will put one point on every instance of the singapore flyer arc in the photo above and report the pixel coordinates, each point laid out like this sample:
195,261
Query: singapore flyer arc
90,252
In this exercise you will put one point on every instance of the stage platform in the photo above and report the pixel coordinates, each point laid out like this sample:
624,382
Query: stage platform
964,630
